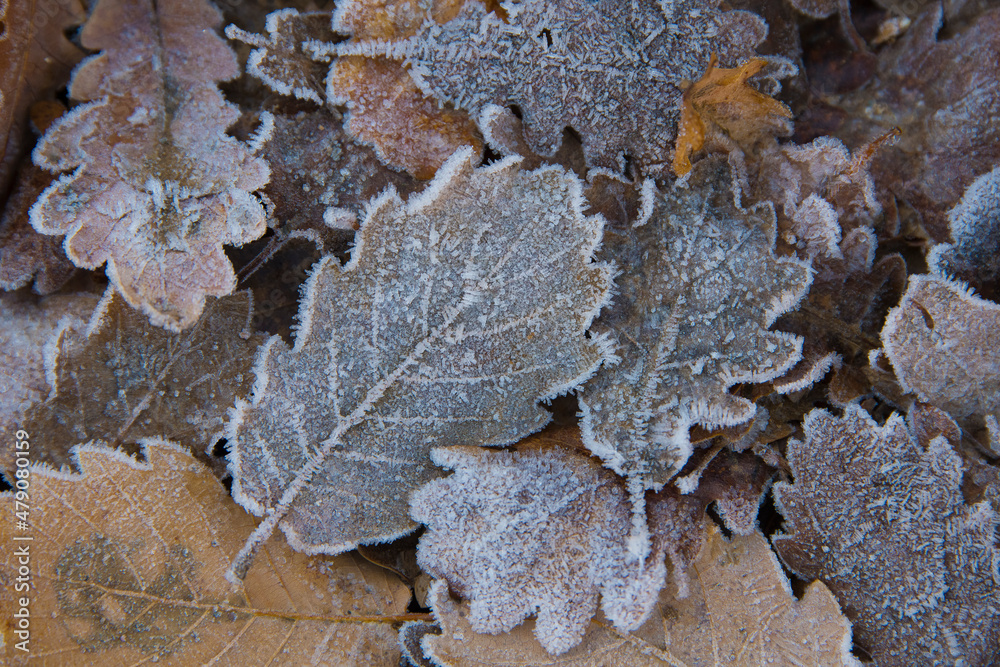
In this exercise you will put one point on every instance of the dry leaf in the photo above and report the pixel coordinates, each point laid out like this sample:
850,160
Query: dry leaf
690,319
975,229
944,344
457,313
121,379
539,530
721,101
611,70
740,613
25,255
156,187
127,563
385,108
879,518
944,94
35,60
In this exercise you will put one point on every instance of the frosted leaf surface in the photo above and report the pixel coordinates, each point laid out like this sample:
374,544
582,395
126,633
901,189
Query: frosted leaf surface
879,517
154,186
975,229
690,319
944,344
740,612
538,530
611,70
457,313
121,378
281,60
128,562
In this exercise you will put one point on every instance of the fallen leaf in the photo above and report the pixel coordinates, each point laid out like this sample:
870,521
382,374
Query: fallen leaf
944,344
127,563
439,330
609,70
721,101
35,60
974,224
879,518
155,186
739,613
121,379
690,319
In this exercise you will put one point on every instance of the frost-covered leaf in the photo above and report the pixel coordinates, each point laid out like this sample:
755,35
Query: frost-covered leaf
538,530
610,70
26,325
943,92
127,566
281,60
122,378
944,344
457,313
35,60
975,229
690,319
740,612
155,186
879,517
385,107
722,102
25,255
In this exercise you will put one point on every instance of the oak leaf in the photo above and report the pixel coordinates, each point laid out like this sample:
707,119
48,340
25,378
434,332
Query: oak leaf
127,567
456,314
722,101
879,517
739,613
944,344
610,70
156,186
539,530
690,319
121,379
35,60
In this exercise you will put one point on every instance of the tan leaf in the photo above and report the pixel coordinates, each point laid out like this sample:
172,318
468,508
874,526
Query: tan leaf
879,517
127,563
156,187
722,101
740,612
690,319
458,311
35,60
123,378
944,344
609,70
539,530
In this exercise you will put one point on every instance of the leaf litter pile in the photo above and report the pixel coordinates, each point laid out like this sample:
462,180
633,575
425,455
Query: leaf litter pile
500,332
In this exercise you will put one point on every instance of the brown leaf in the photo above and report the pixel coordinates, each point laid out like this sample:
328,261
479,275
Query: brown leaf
35,60
25,255
156,187
739,613
127,563
539,530
721,101
609,70
386,109
124,379
879,517
944,344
